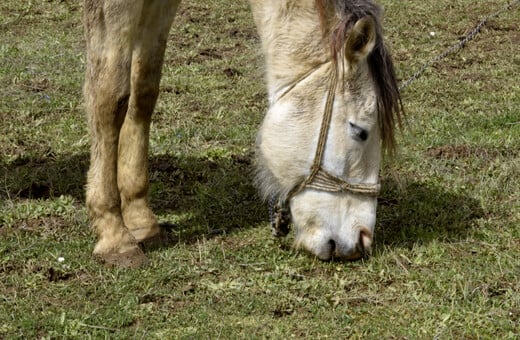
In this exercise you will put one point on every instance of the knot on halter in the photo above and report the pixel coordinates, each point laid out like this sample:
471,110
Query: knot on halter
279,216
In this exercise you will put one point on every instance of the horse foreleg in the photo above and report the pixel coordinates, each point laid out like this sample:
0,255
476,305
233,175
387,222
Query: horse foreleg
152,34
110,29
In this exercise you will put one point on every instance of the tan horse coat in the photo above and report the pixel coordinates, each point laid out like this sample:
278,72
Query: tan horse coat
126,41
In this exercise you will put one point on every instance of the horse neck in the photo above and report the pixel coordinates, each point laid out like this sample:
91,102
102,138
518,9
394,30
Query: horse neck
292,42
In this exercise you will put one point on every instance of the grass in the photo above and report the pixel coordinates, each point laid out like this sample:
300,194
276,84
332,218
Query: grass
447,256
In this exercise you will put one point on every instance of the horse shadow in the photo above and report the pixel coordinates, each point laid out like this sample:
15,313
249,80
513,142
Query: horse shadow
202,197
193,197
413,213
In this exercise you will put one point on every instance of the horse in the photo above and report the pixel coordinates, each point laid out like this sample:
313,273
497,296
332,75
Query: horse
333,104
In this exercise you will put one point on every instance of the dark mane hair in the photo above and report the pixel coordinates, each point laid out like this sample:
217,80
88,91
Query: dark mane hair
337,18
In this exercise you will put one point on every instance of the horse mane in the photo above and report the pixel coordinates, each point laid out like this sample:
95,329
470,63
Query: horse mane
347,13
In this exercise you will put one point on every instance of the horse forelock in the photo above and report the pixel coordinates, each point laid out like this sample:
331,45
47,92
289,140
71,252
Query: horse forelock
346,13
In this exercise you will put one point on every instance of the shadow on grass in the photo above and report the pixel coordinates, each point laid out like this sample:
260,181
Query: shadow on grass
44,177
203,197
417,213
208,196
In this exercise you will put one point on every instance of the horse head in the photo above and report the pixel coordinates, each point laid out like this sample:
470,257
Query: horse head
333,104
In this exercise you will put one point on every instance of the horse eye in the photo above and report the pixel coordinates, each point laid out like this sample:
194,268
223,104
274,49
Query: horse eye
358,133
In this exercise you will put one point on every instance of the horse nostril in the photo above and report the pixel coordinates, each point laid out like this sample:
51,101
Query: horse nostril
332,245
365,241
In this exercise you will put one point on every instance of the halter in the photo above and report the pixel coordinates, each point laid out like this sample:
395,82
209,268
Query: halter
319,178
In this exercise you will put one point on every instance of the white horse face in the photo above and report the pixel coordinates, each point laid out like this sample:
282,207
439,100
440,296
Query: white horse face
327,224
338,223
341,225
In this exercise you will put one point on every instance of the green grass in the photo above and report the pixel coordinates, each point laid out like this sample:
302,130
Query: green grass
447,257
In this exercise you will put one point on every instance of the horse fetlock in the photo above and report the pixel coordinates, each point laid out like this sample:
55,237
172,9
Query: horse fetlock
112,233
145,231
140,220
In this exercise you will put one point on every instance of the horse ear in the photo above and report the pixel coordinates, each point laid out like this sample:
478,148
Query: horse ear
361,40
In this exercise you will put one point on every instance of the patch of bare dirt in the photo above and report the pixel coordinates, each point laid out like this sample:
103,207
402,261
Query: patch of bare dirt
36,85
130,259
40,224
55,275
497,25
36,190
283,311
461,152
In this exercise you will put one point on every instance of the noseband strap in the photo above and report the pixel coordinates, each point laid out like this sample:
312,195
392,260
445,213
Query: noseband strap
318,179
